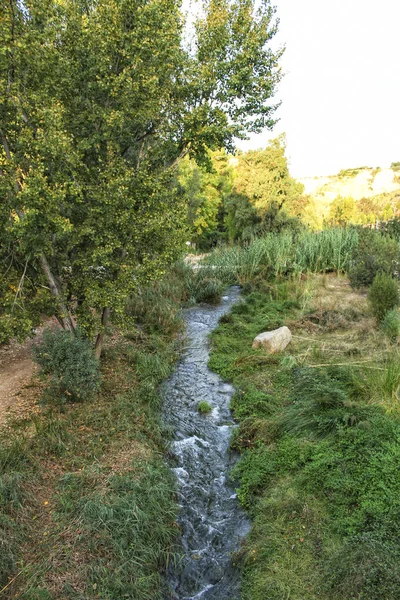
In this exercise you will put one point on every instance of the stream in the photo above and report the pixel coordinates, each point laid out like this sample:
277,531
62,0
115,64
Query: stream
210,519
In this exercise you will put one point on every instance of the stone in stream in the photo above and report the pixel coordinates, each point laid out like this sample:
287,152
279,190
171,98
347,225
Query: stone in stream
273,341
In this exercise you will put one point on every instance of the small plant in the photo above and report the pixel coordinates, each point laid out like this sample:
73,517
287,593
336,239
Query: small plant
69,362
391,324
374,253
204,408
383,295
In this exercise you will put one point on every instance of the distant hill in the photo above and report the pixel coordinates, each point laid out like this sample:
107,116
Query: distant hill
357,183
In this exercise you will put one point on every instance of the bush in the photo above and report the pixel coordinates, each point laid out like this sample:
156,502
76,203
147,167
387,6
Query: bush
383,295
391,324
69,361
374,253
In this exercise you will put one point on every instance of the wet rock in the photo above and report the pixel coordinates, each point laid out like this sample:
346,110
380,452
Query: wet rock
273,341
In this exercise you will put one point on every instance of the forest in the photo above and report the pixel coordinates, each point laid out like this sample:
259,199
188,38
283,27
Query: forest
125,204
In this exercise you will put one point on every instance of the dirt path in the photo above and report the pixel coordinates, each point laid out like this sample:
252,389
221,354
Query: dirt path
19,392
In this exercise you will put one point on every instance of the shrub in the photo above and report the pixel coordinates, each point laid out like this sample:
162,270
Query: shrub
391,324
383,295
69,361
204,408
374,253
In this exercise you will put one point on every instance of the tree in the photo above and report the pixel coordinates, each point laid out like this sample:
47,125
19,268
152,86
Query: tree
100,101
263,176
343,211
206,190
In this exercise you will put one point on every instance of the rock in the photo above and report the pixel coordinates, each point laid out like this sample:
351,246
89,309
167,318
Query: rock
273,341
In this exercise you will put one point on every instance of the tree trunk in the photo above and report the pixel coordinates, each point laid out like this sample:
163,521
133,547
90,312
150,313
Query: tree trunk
64,318
98,346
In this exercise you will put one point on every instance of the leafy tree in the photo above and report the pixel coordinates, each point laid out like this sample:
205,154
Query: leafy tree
206,190
99,103
343,211
241,218
263,176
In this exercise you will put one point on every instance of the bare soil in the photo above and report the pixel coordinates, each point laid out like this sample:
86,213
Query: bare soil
19,386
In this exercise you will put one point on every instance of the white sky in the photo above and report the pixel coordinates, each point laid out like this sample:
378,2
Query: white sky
341,93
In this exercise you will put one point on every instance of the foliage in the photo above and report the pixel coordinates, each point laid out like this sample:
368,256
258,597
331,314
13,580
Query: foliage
90,469
281,254
263,176
321,404
100,104
241,219
353,172
319,449
70,364
383,295
342,211
206,190
392,228
391,324
204,408
374,253
365,567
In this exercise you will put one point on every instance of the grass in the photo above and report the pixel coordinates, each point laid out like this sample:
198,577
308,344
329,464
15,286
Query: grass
87,504
319,441
275,255
204,408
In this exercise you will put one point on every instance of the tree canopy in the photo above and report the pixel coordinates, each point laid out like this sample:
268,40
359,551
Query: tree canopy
100,102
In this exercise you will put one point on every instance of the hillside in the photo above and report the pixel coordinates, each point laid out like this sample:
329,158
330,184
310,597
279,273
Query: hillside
352,183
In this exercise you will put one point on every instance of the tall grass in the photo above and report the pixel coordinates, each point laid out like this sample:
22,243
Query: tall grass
280,254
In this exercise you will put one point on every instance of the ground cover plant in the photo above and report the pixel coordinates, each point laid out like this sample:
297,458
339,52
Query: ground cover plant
319,441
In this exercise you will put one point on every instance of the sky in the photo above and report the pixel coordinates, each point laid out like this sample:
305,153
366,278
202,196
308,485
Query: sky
341,91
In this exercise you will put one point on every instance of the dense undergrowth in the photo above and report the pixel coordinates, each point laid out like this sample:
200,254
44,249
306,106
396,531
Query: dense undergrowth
87,504
318,433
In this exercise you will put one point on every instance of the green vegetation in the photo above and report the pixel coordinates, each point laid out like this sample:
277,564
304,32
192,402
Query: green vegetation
116,142
391,324
100,104
353,172
204,408
244,196
318,435
87,504
374,253
383,295
71,364
275,255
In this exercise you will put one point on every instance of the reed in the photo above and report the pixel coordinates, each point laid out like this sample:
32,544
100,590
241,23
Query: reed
275,255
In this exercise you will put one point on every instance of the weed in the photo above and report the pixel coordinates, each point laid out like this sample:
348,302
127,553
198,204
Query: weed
204,408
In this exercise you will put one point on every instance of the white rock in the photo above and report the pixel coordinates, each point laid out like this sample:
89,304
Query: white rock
273,341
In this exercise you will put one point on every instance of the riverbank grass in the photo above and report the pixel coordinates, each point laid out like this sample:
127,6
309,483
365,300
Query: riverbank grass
319,441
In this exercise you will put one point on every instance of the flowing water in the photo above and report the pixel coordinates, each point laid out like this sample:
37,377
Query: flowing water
211,521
